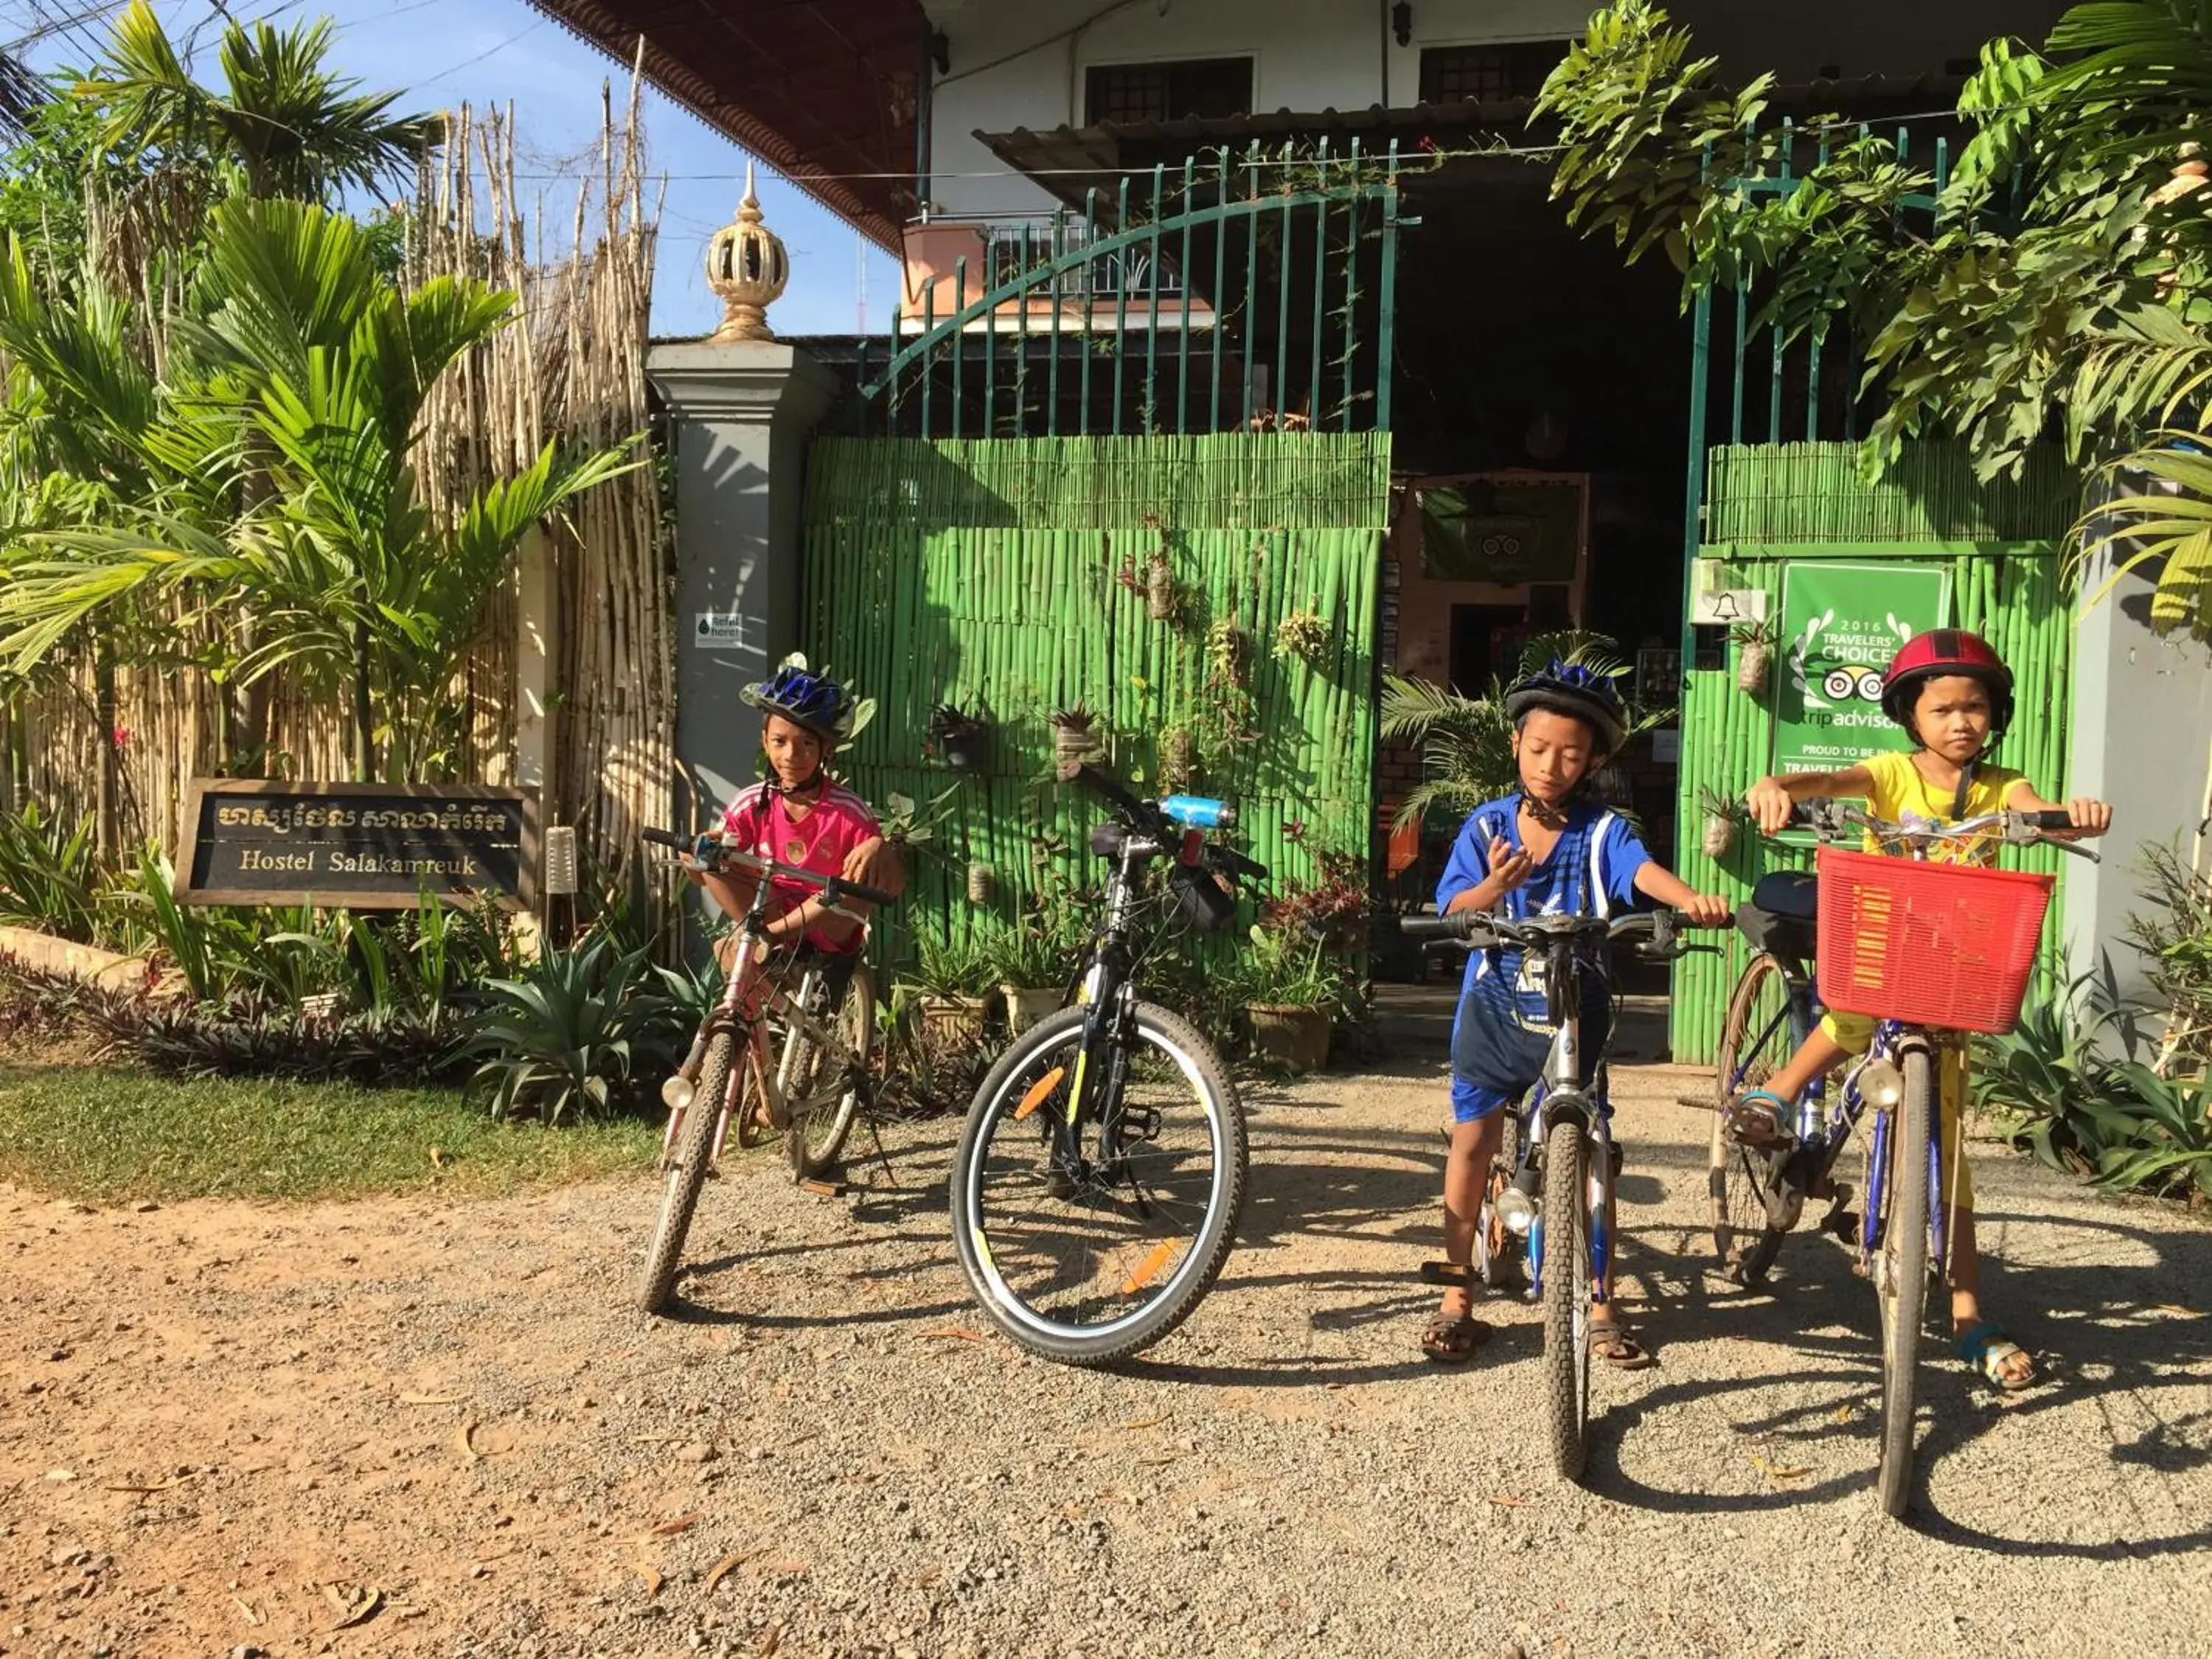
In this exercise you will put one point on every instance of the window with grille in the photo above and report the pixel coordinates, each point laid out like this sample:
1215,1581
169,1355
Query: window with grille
1488,75
1124,94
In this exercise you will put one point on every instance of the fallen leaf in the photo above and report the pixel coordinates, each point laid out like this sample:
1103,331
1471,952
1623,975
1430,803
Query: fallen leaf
246,1607
61,1474
461,1439
1504,1503
653,1581
1155,1463
681,1523
955,1334
1846,1412
728,1564
432,1399
1777,1471
118,1485
1149,1422
771,1639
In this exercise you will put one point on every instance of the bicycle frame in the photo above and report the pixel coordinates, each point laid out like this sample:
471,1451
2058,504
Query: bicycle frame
1561,1090
1107,989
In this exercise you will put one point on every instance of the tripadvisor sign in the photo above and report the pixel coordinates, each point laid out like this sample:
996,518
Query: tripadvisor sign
359,846
1841,624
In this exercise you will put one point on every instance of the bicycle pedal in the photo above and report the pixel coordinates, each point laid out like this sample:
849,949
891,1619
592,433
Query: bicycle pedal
1844,1224
825,1189
1446,1272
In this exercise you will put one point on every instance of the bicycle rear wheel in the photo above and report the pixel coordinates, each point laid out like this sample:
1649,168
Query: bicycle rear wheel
687,1174
1566,1267
1901,1275
1753,1046
818,1133
1089,1262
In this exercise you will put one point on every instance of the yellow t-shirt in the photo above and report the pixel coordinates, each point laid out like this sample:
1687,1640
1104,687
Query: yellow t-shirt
1900,795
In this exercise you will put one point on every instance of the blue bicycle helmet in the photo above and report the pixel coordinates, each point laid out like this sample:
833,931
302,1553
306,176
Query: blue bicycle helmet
1572,690
813,701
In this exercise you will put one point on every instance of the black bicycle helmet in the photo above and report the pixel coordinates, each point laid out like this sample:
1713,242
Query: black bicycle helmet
813,701
1572,690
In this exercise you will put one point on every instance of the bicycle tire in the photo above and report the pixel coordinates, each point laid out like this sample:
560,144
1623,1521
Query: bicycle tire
1901,1277
687,1174
1745,1239
1182,1284
815,1138
1565,1270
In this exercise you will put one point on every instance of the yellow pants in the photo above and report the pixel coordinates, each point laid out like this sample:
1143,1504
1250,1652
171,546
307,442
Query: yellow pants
1853,1032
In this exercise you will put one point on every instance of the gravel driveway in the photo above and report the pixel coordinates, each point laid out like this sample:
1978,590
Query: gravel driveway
223,1424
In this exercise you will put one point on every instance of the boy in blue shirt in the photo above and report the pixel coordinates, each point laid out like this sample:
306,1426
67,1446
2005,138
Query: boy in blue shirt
1549,848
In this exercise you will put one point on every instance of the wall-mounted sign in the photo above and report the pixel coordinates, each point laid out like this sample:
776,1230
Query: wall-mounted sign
356,846
1841,624
723,630
1725,606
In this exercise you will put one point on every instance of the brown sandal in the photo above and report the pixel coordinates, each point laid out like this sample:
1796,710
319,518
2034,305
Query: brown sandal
1452,1339
1611,1342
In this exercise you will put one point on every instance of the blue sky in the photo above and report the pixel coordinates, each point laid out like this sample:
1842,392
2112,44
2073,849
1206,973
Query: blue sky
441,52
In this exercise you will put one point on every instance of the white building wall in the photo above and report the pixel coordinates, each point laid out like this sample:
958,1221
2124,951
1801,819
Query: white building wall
1024,65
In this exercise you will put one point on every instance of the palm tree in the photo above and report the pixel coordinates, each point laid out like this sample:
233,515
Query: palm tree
301,364
290,127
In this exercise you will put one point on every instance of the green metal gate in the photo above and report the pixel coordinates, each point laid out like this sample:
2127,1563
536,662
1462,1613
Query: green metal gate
1010,576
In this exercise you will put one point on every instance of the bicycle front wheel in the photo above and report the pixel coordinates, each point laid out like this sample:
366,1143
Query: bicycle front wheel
1564,1264
1754,1042
1087,1253
1901,1275
819,1125
687,1174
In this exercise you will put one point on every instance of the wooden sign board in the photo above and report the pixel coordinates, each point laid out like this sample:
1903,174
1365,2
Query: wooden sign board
356,846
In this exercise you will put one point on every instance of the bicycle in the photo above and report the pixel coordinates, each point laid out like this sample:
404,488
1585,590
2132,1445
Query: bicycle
1101,1171
1932,952
1551,1195
812,1091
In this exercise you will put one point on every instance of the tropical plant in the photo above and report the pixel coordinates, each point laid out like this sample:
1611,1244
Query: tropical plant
568,1038
1467,743
50,877
307,373
288,125
2174,936
1302,636
1284,967
949,964
2057,284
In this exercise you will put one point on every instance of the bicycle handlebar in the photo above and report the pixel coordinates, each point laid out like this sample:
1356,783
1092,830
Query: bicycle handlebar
710,853
1485,930
1830,819
1163,821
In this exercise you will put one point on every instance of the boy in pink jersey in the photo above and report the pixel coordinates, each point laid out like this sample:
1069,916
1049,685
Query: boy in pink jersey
798,816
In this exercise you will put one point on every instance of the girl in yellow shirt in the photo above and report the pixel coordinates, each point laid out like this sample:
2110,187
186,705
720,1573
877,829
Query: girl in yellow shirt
1954,695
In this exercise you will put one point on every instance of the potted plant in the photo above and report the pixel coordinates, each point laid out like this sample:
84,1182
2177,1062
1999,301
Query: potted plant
1159,585
1226,652
1288,991
1755,643
958,737
982,882
1178,758
1032,969
953,971
1302,635
1075,735
1724,815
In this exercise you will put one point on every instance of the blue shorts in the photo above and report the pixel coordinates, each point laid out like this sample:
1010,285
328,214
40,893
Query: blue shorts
1495,1060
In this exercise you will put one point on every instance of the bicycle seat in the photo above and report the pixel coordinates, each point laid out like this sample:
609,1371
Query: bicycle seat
1779,916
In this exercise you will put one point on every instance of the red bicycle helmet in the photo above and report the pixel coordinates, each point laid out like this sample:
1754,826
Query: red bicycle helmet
1939,652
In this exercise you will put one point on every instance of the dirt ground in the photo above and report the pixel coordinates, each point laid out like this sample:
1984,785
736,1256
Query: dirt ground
404,1427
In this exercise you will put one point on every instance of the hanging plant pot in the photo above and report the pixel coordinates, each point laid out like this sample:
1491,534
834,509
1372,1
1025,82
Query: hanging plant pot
958,737
1752,664
1074,735
1294,1037
1159,589
982,884
1719,838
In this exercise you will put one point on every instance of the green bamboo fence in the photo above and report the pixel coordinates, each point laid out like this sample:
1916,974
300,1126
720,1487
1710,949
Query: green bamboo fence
1797,501
987,572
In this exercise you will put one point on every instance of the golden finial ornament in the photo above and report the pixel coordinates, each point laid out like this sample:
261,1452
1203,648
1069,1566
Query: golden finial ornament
747,267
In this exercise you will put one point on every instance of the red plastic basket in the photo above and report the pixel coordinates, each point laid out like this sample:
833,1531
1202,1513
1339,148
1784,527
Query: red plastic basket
1943,944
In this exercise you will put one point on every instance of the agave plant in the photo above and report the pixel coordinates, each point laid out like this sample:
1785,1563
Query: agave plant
567,1038
1467,743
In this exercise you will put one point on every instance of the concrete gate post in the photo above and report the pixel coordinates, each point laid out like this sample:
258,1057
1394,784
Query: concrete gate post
2142,740
742,413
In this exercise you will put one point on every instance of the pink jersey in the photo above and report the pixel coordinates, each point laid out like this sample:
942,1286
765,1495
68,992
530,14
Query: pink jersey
760,822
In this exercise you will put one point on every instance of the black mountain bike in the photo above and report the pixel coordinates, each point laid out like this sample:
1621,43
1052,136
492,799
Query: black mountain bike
1101,1172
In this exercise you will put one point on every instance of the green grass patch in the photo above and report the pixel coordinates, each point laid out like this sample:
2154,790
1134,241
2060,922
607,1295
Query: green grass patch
109,1136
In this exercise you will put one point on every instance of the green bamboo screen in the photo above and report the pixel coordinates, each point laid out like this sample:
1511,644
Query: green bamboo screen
985,573
1773,503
